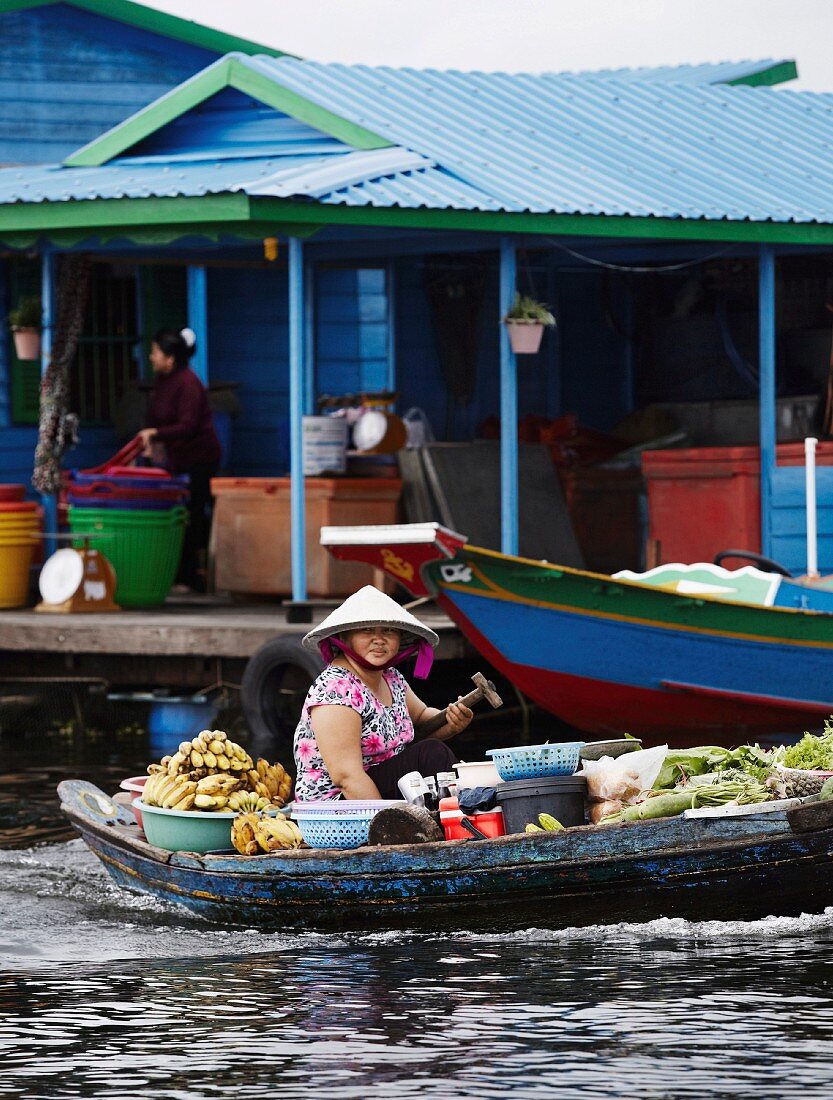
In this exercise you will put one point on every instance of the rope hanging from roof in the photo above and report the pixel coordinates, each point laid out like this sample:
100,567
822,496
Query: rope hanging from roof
58,427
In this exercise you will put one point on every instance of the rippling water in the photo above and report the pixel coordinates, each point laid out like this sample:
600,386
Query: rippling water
106,994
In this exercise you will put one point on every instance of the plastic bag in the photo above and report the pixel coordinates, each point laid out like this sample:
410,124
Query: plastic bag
625,777
599,810
418,427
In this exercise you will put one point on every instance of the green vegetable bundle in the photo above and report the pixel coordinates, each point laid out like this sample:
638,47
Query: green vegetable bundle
673,803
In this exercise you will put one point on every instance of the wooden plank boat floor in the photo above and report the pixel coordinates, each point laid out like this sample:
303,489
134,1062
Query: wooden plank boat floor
212,626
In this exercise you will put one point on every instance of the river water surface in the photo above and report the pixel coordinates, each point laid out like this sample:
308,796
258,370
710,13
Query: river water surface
108,995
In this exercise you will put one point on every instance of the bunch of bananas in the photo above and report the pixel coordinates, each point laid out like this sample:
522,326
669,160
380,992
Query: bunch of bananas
210,751
211,772
270,781
248,802
173,792
251,833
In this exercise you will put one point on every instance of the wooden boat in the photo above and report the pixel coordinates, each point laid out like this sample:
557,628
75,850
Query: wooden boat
612,654
724,868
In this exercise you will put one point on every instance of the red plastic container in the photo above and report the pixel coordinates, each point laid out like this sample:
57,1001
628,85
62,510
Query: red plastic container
702,500
135,784
489,822
21,507
12,493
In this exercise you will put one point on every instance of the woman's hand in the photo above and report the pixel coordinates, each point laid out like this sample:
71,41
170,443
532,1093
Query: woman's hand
147,435
458,716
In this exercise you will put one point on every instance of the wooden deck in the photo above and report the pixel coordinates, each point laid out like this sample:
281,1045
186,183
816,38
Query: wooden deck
191,626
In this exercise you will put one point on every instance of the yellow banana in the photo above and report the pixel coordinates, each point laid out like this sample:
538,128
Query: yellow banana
209,759
549,823
186,802
243,835
531,827
223,762
196,759
216,747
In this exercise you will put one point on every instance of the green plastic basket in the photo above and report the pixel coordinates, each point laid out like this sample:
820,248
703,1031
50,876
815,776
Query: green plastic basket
144,548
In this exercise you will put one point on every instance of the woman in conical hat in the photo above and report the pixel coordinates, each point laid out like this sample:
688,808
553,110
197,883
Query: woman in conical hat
356,736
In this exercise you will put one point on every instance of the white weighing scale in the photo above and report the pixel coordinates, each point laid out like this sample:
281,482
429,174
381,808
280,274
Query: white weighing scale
77,581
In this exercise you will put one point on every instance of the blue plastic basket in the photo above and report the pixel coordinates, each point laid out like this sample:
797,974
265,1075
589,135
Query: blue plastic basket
537,761
334,830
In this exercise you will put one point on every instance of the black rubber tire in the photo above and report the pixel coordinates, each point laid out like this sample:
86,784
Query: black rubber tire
275,683
767,564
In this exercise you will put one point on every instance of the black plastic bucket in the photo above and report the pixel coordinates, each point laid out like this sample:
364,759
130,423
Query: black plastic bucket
560,795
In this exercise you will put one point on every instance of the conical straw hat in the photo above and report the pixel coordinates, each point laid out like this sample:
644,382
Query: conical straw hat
365,608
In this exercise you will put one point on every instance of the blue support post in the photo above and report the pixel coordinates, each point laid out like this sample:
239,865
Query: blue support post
309,340
508,408
766,381
390,288
5,375
297,396
197,290
49,502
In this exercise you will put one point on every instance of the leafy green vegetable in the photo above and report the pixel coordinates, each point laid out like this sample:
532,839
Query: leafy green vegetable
681,763
812,753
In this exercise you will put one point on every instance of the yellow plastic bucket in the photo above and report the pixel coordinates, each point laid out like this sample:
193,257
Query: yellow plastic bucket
15,561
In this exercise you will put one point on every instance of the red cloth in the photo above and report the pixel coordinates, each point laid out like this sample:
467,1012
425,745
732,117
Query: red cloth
180,412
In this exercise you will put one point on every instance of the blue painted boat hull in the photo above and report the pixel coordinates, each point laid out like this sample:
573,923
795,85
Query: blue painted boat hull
699,869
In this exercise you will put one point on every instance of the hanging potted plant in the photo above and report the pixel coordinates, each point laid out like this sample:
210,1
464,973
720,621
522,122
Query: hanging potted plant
25,323
525,323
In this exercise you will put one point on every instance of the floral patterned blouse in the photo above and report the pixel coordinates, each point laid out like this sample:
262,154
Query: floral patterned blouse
385,730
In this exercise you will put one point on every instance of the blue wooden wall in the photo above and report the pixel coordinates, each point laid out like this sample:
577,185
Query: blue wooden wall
789,518
248,343
419,376
67,75
351,329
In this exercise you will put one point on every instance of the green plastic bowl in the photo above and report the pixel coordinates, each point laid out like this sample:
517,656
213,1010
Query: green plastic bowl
188,830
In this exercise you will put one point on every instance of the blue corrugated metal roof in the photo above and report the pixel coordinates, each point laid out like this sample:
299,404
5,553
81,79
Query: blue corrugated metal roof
544,143
412,179
588,145
709,72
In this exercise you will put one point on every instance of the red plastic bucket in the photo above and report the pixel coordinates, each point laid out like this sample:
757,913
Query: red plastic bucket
12,493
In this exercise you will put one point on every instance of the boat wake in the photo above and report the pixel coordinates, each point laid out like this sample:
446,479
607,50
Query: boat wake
59,906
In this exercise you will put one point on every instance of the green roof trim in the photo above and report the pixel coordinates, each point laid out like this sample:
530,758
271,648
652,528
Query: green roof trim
158,22
775,74
231,71
233,213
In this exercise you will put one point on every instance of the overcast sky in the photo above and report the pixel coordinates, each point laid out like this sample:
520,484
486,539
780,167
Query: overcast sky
533,35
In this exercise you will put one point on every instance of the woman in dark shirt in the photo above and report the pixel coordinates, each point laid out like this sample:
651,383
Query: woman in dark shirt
179,418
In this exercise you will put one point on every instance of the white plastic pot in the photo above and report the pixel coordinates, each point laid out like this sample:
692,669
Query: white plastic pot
525,336
478,773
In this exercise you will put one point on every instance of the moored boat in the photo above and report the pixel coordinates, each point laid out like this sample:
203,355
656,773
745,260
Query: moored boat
761,863
612,654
